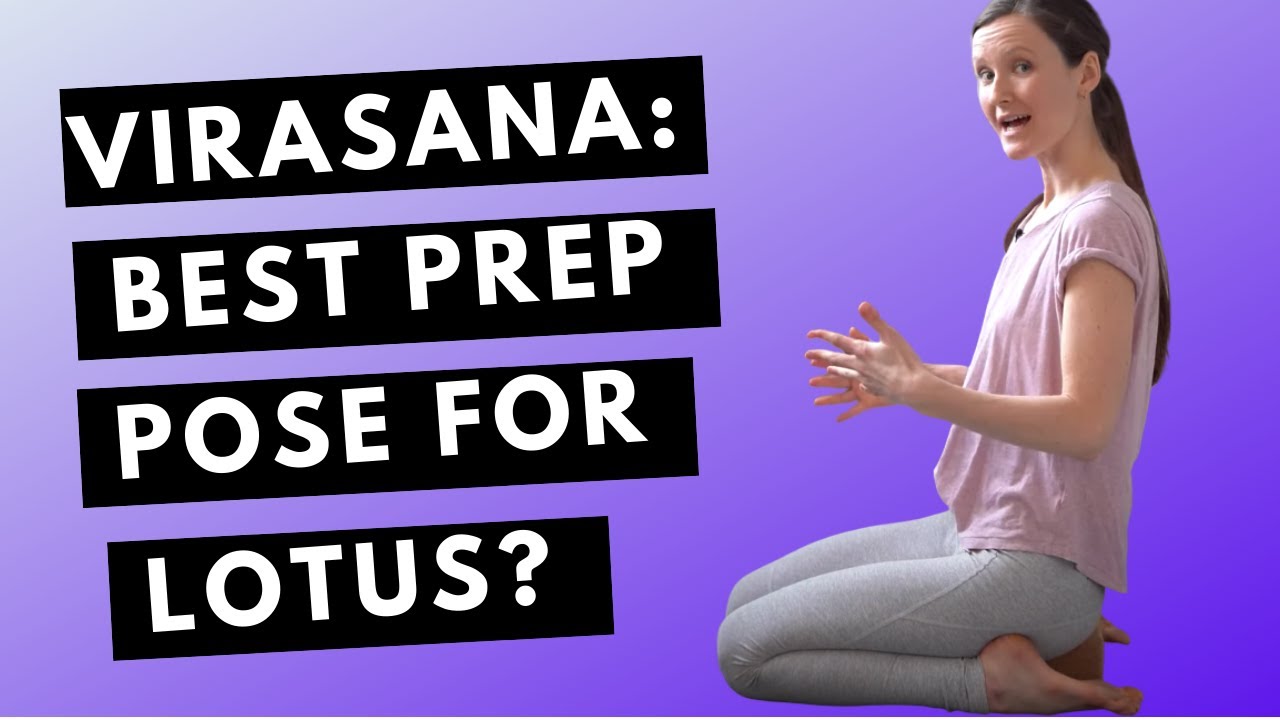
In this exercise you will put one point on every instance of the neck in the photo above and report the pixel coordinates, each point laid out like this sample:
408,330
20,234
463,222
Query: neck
1078,161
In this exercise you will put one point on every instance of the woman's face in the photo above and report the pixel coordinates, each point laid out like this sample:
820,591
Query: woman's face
1022,77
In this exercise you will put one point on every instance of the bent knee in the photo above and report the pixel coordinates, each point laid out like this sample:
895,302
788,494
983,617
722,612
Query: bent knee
753,585
739,658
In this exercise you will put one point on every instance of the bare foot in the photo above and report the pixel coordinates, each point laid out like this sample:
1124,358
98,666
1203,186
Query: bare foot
1111,633
1019,681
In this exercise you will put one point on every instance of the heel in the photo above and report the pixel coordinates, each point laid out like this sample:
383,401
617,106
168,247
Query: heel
1083,662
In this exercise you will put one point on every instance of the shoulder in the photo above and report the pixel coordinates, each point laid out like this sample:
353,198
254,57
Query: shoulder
1108,223
1112,209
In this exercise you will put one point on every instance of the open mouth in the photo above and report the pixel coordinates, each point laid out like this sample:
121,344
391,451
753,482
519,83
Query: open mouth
1013,124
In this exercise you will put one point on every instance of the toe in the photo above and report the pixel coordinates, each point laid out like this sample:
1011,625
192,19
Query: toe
1127,702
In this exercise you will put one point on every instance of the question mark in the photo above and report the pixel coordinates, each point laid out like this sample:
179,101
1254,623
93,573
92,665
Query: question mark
525,595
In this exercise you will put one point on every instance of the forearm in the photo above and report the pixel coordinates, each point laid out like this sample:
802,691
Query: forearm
953,374
1051,423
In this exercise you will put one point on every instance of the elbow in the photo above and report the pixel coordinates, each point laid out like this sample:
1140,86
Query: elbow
1093,437
1094,440
1087,450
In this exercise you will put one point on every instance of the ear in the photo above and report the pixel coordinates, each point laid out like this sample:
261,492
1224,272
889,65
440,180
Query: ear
1090,69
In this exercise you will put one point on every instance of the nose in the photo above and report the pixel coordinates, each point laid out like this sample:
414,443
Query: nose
996,94
1000,90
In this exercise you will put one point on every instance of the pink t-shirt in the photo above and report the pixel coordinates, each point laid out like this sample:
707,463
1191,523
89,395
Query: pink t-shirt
1011,497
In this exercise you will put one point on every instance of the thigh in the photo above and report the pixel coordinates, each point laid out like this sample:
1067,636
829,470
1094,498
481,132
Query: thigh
950,606
927,537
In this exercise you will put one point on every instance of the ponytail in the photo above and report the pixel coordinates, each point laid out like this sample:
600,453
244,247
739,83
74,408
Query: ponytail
1113,128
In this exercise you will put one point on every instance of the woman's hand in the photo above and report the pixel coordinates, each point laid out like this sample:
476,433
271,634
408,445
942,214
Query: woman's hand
889,368
853,390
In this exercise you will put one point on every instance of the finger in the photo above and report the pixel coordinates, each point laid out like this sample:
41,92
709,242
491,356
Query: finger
833,358
851,412
858,334
840,341
857,349
831,381
873,318
845,372
817,358
836,398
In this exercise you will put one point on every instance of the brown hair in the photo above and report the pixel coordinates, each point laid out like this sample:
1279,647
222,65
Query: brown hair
1074,26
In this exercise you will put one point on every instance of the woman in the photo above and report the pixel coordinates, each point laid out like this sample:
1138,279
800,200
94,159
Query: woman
959,610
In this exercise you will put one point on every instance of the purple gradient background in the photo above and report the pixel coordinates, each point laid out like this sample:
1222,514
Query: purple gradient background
849,161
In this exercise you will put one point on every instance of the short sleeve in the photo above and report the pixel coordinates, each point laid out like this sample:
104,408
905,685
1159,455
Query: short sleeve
1101,229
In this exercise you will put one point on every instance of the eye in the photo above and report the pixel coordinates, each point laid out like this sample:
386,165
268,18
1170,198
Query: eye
1022,63
984,75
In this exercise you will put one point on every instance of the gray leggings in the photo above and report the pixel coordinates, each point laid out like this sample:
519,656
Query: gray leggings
896,614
